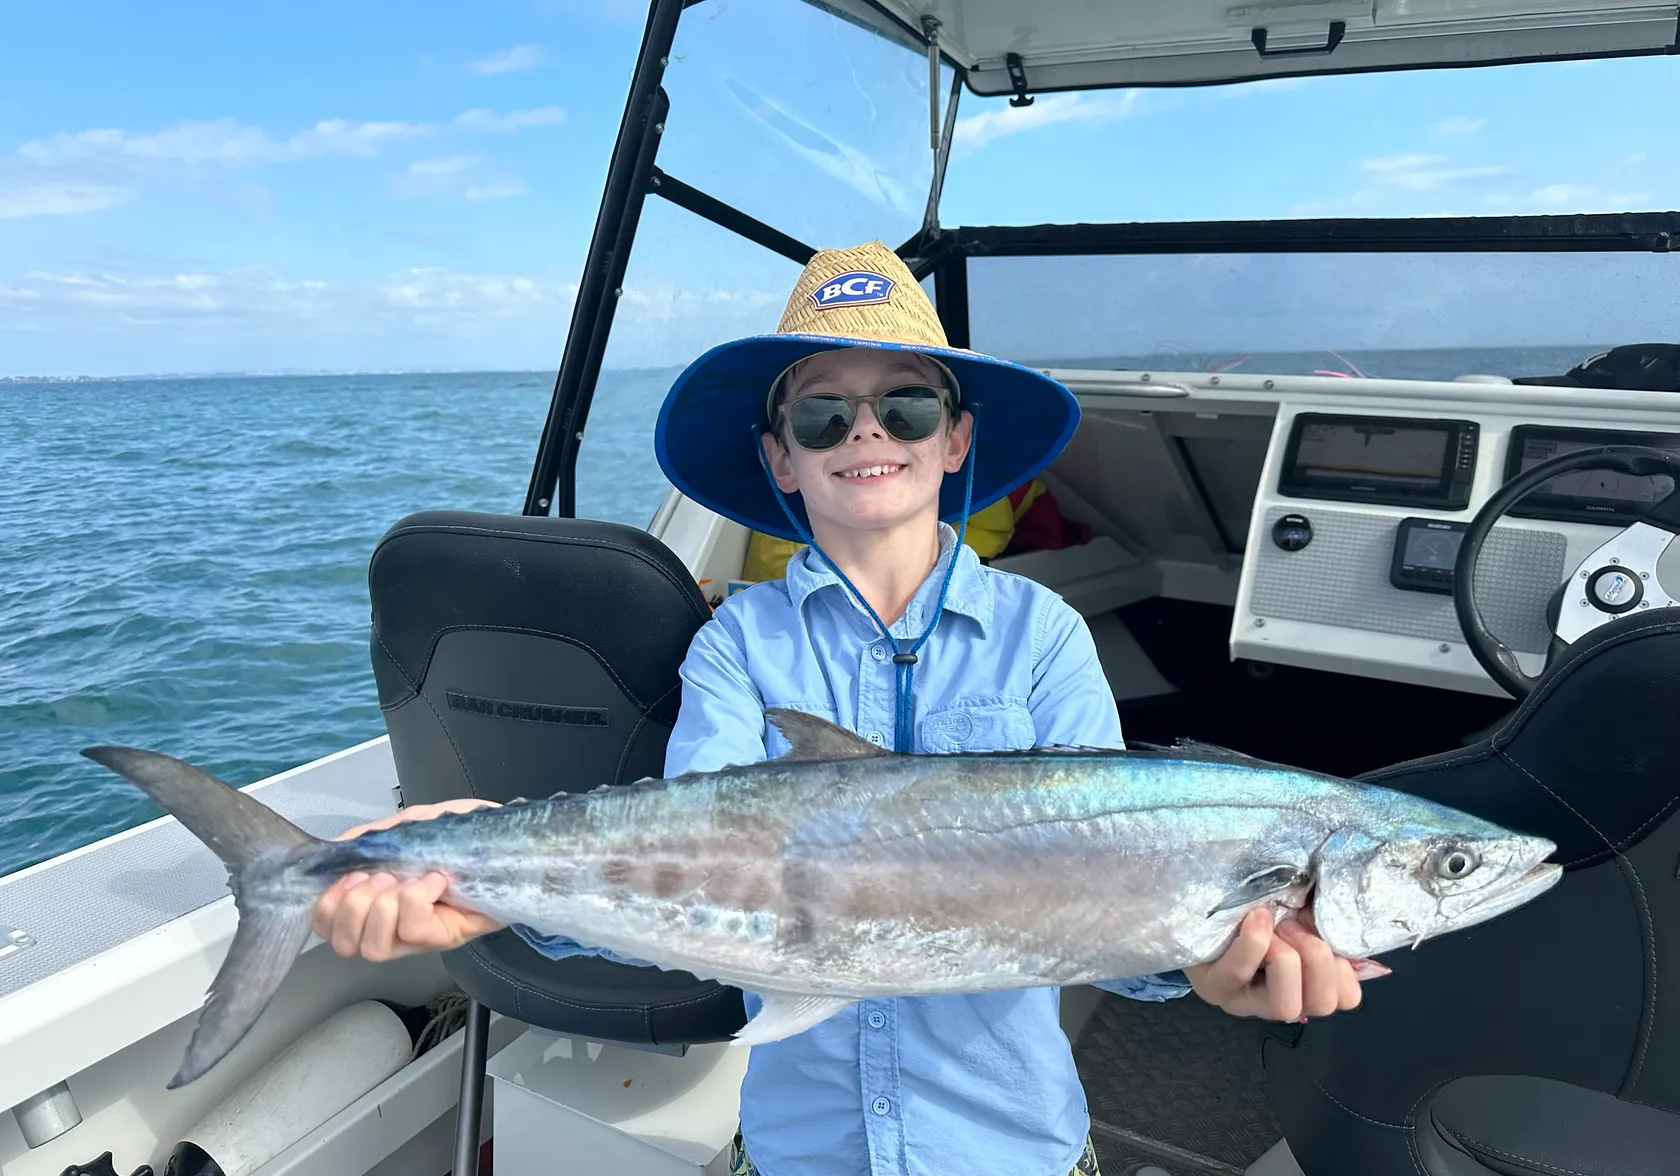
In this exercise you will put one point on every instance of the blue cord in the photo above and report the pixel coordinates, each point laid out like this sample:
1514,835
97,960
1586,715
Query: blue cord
904,661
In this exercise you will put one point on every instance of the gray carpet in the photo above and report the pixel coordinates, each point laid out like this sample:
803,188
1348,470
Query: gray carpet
1176,1084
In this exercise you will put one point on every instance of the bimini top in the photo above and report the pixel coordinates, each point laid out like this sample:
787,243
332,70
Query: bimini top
1034,46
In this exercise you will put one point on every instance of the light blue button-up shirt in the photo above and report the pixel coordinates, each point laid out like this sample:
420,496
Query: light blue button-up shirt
981,1085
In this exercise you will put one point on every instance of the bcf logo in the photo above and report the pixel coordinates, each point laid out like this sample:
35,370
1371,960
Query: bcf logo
859,288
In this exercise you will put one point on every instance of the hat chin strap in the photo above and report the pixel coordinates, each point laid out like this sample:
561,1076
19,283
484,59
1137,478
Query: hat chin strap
904,661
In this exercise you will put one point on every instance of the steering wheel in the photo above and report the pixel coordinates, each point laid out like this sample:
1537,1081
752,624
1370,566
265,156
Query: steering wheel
1618,578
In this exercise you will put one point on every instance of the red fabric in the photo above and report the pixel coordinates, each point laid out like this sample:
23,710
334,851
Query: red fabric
1042,527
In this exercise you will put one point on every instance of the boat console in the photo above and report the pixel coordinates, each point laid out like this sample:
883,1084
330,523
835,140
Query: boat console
1333,509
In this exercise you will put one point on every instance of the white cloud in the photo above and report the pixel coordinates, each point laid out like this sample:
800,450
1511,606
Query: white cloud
1458,124
58,199
1392,183
224,141
500,190
342,137
448,165
976,130
1419,173
18,294
1637,157
520,57
436,288
488,122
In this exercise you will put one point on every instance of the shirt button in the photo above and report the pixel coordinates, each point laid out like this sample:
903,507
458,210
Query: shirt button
880,1106
876,1020
877,652
875,738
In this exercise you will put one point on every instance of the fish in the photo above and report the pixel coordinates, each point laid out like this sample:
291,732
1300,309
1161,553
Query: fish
841,871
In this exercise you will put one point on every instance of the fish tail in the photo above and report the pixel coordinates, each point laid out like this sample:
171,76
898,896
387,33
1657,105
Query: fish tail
254,842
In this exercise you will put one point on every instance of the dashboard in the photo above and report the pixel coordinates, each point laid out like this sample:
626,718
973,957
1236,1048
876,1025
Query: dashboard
1360,518
1342,549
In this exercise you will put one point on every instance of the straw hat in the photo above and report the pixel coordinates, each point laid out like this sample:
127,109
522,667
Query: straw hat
707,435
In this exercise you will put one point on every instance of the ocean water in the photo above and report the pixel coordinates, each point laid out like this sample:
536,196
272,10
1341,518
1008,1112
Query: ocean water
183,561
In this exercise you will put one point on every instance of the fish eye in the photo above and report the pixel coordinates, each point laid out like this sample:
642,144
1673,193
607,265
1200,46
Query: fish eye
1455,863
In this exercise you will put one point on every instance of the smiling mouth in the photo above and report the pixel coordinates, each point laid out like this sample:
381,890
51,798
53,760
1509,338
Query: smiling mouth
863,473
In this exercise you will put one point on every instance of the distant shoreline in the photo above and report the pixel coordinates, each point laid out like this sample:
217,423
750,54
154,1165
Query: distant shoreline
1155,360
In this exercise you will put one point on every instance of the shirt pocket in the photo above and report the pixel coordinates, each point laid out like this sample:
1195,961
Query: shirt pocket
990,725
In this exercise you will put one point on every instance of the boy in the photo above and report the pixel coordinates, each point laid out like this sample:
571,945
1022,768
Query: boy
857,431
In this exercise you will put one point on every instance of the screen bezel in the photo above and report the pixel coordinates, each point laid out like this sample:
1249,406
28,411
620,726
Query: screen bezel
1399,573
1451,491
1536,505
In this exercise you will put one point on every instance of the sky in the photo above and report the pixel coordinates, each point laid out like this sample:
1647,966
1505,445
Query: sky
268,186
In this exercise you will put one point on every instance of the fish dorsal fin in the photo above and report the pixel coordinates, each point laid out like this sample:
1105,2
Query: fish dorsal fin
1213,751
811,738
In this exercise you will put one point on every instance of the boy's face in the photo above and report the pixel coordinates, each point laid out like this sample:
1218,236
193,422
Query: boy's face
870,481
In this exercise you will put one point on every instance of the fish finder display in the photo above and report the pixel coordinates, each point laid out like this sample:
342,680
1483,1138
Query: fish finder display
1587,495
1400,460
1380,453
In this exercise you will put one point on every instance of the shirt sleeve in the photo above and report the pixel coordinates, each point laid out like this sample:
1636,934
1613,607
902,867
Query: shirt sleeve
720,722
1073,705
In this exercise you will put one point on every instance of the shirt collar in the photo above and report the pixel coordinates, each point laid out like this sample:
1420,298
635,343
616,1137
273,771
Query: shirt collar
969,595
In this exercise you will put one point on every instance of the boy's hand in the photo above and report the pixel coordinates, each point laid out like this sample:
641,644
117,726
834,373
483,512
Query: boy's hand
1281,973
379,918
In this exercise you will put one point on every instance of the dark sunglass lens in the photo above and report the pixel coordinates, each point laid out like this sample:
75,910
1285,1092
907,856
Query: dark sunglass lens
820,422
911,414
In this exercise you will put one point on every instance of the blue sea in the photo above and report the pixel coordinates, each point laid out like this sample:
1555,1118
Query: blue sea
183,561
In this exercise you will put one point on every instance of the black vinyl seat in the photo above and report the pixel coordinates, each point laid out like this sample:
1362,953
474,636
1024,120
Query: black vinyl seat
521,656
1547,1041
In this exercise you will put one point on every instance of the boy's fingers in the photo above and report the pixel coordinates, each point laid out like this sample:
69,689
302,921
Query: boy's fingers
379,931
1282,996
326,907
417,917
1351,992
1235,970
345,933
1320,978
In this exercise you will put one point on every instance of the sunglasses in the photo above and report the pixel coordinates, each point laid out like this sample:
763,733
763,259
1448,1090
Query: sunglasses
910,413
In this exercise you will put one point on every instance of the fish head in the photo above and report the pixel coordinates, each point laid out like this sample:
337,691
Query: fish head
1377,891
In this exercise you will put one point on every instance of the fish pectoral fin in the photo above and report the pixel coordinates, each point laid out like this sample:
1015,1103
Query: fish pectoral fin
811,738
785,1014
1261,884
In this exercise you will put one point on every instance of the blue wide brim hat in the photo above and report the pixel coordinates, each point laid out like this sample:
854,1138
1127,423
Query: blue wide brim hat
707,438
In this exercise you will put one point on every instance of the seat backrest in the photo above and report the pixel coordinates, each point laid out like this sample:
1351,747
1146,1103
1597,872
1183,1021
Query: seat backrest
521,656
1583,984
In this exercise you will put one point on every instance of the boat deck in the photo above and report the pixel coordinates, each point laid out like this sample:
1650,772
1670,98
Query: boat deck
84,903
1176,1084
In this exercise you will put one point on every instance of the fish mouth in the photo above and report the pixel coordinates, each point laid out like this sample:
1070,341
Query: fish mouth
1519,891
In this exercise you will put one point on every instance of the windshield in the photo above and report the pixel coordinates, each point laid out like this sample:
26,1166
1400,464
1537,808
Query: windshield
801,119
1399,315
1554,137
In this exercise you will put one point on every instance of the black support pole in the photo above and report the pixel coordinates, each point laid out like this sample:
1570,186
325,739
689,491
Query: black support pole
950,296
552,478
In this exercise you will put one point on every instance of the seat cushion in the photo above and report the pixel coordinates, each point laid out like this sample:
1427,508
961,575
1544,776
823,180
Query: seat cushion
593,997
1523,1126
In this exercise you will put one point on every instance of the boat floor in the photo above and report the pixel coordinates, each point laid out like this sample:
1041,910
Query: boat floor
1177,1084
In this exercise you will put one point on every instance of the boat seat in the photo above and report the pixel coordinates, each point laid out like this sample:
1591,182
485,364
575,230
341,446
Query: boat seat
1545,1041
520,656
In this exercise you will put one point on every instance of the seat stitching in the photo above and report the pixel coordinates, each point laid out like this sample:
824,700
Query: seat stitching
1412,1146
445,631
1491,1150
1650,931
1313,1078
442,726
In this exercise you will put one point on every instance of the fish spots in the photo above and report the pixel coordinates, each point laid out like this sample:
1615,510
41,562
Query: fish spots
616,871
668,880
